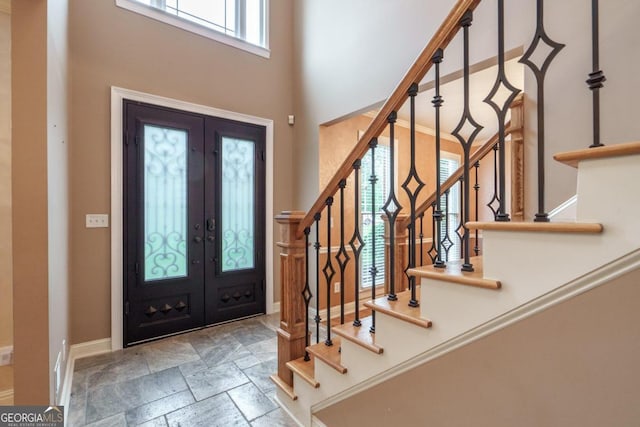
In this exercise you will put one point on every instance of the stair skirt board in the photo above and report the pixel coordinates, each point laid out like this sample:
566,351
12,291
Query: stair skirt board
598,277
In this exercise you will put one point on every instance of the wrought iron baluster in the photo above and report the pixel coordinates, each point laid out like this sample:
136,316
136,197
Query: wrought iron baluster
433,250
306,294
392,209
596,78
501,112
494,198
373,270
466,144
476,188
328,271
460,229
437,211
447,243
421,235
356,243
540,73
412,180
316,245
342,256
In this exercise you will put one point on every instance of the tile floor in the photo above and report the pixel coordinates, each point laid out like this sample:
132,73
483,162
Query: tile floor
217,376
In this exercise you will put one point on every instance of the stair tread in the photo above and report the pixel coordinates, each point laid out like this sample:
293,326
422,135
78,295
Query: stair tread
329,354
359,334
549,227
305,369
453,273
286,388
399,309
572,158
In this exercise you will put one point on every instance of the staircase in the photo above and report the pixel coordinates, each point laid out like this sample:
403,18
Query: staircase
524,267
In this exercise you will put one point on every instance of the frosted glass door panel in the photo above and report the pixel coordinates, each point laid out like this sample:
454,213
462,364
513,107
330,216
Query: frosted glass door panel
237,204
165,203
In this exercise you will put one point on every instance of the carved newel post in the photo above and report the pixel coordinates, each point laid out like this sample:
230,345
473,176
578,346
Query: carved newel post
291,333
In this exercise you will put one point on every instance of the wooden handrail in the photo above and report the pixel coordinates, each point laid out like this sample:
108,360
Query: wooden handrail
418,70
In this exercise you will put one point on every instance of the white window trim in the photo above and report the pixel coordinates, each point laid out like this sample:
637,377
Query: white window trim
117,246
185,24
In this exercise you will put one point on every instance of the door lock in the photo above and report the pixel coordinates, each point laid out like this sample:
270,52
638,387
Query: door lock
211,224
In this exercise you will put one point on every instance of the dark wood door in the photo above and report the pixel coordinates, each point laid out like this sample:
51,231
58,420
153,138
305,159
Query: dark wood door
235,205
193,221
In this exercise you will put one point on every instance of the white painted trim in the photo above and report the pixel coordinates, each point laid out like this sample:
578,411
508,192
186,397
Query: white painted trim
559,295
192,27
286,409
79,351
568,204
275,308
117,97
315,422
4,352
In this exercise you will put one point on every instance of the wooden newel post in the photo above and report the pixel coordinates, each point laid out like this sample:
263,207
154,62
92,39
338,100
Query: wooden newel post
291,333
517,159
401,254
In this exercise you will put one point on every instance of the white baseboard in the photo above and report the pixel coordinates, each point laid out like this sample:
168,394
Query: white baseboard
6,355
315,422
6,398
79,351
275,308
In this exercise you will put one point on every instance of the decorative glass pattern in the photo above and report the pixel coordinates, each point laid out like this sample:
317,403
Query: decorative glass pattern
165,203
238,204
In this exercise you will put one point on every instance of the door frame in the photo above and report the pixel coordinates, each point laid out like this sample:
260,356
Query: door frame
118,95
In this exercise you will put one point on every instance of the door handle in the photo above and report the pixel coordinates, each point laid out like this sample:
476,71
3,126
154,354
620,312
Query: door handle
210,238
211,224
197,239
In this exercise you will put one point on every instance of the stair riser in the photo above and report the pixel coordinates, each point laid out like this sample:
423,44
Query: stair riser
608,193
535,263
459,309
403,339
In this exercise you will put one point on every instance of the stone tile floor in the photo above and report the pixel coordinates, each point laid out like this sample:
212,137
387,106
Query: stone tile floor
218,376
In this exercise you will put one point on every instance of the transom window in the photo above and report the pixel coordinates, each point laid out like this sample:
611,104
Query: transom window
239,23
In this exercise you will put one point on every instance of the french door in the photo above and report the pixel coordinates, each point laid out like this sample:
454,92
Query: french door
194,238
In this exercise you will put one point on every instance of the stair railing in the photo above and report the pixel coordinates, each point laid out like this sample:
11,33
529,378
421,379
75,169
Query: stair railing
294,334
436,254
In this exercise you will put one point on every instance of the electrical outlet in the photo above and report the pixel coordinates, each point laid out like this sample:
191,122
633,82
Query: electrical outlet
336,287
97,220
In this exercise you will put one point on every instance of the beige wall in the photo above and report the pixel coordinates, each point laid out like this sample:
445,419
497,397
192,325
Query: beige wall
6,288
114,47
29,202
345,62
574,364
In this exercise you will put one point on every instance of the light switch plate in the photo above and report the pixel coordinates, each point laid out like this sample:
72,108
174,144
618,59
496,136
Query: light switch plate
97,220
